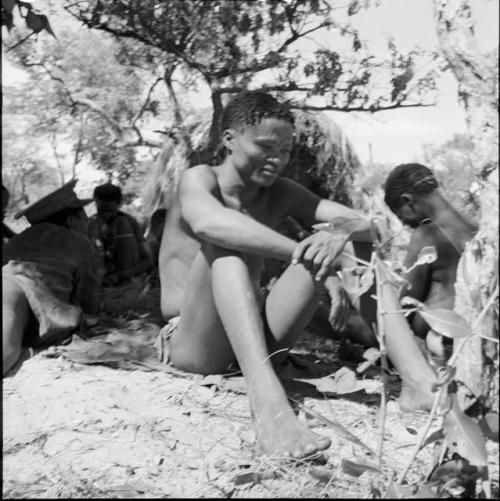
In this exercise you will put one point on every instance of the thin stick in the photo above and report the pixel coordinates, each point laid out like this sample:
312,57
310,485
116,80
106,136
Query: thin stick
381,339
261,363
20,42
355,258
423,434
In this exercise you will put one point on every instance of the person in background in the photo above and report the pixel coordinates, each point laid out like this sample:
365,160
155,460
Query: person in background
118,236
412,193
50,275
7,233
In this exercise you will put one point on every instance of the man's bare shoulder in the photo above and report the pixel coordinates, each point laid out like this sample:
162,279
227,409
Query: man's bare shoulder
422,236
199,171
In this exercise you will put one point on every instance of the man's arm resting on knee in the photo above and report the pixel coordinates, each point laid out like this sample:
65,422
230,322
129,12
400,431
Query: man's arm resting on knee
213,222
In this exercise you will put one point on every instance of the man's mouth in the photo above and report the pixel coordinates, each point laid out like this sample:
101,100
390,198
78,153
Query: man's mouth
269,170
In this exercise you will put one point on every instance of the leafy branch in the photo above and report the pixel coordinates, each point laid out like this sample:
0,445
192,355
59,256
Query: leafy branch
462,435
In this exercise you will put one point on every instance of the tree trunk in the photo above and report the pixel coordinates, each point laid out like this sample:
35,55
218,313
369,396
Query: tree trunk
477,274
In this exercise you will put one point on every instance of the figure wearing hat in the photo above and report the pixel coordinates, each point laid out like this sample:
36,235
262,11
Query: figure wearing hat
51,275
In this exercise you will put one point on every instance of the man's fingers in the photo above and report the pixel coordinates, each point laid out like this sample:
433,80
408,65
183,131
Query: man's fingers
324,269
298,252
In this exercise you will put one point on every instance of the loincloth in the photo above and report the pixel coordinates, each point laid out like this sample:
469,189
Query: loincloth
56,319
162,341
162,346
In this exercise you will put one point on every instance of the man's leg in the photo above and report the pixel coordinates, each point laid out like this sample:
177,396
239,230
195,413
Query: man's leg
221,298
294,300
15,319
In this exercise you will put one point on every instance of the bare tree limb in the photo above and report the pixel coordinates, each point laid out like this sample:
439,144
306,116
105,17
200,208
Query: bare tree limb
369,109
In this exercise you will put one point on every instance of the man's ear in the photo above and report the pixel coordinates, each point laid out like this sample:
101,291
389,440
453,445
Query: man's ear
406,198
228,138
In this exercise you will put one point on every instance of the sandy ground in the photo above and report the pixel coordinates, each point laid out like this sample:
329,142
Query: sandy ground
120,425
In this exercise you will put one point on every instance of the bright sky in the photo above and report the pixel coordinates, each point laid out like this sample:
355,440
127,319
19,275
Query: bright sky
398,135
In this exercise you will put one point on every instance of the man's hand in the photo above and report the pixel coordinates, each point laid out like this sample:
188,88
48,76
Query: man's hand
318,252
339,304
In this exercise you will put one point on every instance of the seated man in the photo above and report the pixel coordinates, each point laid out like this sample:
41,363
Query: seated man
118,236
411,192
50,275
334,318
220,228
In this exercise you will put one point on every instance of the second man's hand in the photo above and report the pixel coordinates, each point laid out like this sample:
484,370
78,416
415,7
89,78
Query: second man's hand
318,252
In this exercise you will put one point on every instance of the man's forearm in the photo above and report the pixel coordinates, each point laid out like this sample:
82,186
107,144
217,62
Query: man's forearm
350,221
233,230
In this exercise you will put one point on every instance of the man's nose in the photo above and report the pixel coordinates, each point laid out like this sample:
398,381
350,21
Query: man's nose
276,159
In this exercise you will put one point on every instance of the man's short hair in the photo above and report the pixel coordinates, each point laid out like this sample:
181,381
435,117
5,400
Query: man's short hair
408,178
108,193
250,107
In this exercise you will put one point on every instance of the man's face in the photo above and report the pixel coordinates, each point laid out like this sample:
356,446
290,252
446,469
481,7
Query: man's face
107,210
410,212
261,152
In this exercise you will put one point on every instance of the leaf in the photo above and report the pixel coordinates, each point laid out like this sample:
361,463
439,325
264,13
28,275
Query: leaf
396,279
424,491
212,380
395,491
47,25
434,437
8,5
354,7
371,355
446,322
427,255
356,469
341,382
489,426
35,22
411,301
344,381
463,435
357,280
321,473
455,468
246,478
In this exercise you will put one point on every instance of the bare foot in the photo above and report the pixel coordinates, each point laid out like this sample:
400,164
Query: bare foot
415,397
281,434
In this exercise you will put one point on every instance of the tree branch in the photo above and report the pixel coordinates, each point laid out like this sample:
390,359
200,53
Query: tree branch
369,109
143,108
